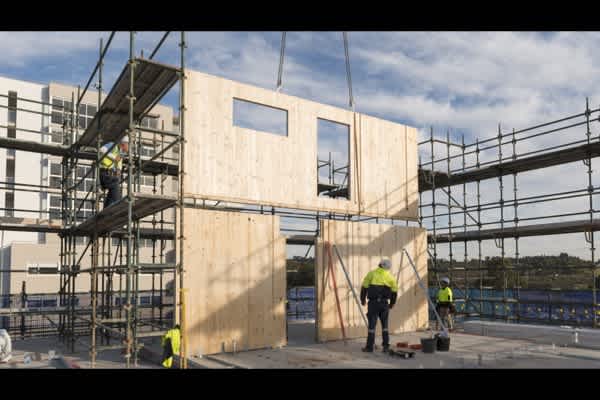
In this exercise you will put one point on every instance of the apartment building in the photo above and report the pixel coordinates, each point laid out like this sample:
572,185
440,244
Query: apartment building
31,182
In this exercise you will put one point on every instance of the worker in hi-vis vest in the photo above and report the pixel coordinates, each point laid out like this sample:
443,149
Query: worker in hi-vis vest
380,287
110,170
445,303
170,343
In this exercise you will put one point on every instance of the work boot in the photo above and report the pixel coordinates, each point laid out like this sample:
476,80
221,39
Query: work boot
367,350
385,349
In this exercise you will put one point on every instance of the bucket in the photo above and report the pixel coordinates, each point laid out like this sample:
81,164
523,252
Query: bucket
443,343
429,344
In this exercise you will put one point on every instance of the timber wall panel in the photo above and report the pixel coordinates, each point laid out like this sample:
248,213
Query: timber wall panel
361,246
235,274
230,163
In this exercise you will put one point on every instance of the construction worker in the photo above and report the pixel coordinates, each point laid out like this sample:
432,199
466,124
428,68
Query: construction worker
445,303
110,170
170,343
380,287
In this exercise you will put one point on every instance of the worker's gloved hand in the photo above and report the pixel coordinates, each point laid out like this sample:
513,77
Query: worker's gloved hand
391,306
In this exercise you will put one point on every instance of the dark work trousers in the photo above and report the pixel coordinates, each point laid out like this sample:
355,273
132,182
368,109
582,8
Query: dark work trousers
110,182
378,310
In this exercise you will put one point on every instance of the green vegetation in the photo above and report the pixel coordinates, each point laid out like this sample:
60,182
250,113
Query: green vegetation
533,272
300,272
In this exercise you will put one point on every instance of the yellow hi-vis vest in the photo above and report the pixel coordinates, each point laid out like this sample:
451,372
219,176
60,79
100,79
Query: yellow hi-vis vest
380,277
175,336
113,159
444,295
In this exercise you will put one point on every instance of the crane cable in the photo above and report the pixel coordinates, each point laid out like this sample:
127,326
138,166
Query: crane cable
281,55
348,73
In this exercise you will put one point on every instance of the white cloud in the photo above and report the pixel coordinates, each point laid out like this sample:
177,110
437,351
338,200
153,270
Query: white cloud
467,82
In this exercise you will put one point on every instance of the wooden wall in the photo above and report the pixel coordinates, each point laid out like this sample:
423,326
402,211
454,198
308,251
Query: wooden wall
229,163
235,275
361,246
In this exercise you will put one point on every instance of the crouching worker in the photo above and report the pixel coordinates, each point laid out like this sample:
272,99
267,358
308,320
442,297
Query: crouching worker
170,343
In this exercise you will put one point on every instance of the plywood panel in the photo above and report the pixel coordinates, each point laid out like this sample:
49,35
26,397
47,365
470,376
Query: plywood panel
361,246
235,273
229,163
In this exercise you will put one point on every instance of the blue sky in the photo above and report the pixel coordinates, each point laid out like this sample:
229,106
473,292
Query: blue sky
466,82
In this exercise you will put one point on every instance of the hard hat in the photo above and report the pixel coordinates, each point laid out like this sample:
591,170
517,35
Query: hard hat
385,264
445,280
125,139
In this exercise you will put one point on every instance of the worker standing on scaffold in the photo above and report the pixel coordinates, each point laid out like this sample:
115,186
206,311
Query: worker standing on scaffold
110,170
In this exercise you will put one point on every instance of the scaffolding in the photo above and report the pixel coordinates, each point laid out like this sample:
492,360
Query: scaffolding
115,317
476,279
140,86
112,234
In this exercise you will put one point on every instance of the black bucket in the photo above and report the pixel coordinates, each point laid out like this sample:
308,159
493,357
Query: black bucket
443,343
429,344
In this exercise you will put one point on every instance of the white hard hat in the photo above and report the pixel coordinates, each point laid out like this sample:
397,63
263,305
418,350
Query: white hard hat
385,264
125,139
445,280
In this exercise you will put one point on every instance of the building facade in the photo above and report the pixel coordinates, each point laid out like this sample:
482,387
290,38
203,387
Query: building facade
31,187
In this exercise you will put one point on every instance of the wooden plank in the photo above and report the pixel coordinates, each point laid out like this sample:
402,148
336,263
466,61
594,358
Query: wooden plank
116,215
30,225
151,82
237,282
554,228
363,245
538,161
229,163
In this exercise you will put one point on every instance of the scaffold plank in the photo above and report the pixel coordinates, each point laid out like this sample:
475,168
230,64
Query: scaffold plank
556,228
538,161
151,81
116,215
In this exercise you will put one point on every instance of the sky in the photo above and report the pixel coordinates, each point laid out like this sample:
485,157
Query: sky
465,83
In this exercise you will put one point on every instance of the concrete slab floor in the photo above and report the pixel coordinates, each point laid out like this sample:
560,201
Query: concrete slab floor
466,351
38,349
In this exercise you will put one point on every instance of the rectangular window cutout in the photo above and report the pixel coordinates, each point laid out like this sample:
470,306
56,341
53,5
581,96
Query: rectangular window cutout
55,182
9,204
55,201
12,100
10,168
57,117
333,159
55,169
260,117
11,132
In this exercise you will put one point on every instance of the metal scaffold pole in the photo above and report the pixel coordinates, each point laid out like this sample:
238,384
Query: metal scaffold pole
183,351
129,254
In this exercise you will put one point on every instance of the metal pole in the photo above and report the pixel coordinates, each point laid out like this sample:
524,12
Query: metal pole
96,211
444,328
130,136
433,198
502,254
590,188
183,349
449,192
516,221
362,313
479,232
466,256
